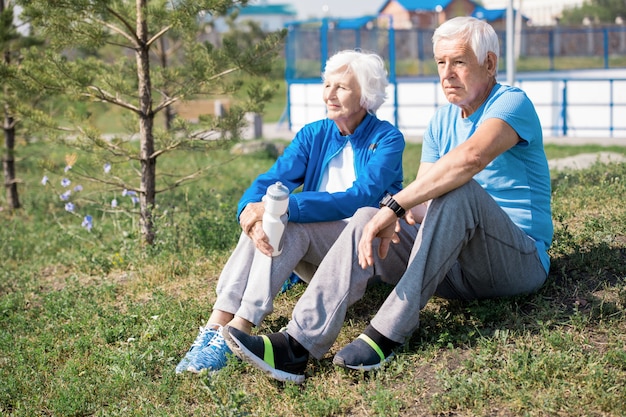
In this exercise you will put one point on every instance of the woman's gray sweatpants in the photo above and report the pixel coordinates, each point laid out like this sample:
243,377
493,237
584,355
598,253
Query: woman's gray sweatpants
250,280
466,248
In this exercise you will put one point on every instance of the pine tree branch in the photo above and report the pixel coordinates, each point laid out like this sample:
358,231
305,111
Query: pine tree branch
158,35
127,24
108,145
165,103
166,149
132,39
190,177
110,98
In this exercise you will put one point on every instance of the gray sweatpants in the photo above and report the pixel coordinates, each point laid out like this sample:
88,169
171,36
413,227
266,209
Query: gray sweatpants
250,280
466,248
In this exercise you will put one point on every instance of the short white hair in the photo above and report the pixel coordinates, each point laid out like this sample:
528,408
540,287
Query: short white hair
370,72
476,33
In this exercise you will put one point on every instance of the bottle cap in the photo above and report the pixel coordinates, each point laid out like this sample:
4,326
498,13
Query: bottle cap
277,191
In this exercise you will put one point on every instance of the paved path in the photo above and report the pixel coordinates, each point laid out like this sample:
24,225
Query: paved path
585,160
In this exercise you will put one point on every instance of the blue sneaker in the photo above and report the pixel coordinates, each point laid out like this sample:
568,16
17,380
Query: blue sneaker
290,282
213,356
204,337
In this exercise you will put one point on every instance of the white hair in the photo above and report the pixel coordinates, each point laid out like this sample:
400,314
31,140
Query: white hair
479,35
370,72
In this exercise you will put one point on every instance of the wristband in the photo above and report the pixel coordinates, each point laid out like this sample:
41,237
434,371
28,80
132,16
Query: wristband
388,201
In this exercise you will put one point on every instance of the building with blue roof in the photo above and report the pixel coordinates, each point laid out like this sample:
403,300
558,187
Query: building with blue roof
428,14
269,17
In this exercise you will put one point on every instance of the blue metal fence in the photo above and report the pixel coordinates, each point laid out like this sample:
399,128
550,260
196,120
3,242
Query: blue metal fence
565,108
408,52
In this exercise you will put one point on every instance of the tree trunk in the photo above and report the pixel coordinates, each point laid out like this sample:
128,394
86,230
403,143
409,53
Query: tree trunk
146,125
8,162
8,159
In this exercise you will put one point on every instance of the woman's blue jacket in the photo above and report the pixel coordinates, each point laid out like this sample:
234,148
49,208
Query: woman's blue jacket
378,148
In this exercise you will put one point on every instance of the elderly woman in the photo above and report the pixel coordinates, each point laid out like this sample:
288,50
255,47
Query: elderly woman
349,160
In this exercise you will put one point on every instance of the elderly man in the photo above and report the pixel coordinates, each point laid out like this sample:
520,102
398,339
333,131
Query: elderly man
480,205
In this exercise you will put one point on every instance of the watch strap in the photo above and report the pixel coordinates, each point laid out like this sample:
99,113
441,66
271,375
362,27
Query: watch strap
389,201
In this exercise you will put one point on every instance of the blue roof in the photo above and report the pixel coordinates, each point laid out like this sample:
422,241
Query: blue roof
430,5
479,12
489,14
354,23
280,9
340,23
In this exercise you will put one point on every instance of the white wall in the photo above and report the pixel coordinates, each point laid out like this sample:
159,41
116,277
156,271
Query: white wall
593,105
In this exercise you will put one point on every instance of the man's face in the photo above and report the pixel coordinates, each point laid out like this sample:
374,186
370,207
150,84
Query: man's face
465,83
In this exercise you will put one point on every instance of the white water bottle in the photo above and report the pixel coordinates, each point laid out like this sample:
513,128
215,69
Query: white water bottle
275,216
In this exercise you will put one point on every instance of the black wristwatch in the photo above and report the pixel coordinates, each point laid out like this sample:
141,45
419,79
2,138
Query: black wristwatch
388,201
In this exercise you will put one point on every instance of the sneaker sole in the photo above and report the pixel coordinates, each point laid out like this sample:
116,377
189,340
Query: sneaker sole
341,362
247,356
202,371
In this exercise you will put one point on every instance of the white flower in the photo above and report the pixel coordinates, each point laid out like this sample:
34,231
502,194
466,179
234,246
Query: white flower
66,195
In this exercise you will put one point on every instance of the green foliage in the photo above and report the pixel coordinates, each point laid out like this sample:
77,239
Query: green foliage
93,324
597,11
159,60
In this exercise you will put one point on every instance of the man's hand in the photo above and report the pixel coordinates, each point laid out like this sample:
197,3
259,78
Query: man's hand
416,214
385,226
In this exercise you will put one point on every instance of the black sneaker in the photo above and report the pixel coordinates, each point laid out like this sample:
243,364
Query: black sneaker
270,353
361,354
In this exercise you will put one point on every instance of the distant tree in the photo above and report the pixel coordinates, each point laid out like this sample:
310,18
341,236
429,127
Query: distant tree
8,36
17,102
76,29
596,11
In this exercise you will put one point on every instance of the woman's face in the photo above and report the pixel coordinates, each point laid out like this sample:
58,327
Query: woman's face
342,95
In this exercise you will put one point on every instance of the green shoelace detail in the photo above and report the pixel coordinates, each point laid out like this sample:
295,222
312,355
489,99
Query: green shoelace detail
373,345
268,352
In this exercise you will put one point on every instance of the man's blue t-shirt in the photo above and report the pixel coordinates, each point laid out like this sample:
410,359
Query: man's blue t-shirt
518,179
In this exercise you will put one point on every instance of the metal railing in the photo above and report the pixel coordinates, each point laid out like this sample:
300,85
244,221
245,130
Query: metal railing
574,104
408,52
588,101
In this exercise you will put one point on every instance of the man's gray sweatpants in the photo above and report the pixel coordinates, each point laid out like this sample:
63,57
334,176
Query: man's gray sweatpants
466,248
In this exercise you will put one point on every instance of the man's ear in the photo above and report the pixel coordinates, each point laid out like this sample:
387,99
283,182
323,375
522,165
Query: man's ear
491,63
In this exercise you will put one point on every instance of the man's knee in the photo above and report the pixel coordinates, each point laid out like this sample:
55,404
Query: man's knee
460,195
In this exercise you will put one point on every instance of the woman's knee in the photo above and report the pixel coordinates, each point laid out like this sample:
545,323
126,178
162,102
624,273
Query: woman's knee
363,215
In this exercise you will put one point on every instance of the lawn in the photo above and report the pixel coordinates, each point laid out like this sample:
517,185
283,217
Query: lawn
93,324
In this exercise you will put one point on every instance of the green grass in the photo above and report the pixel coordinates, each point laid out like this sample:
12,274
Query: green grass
92,324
